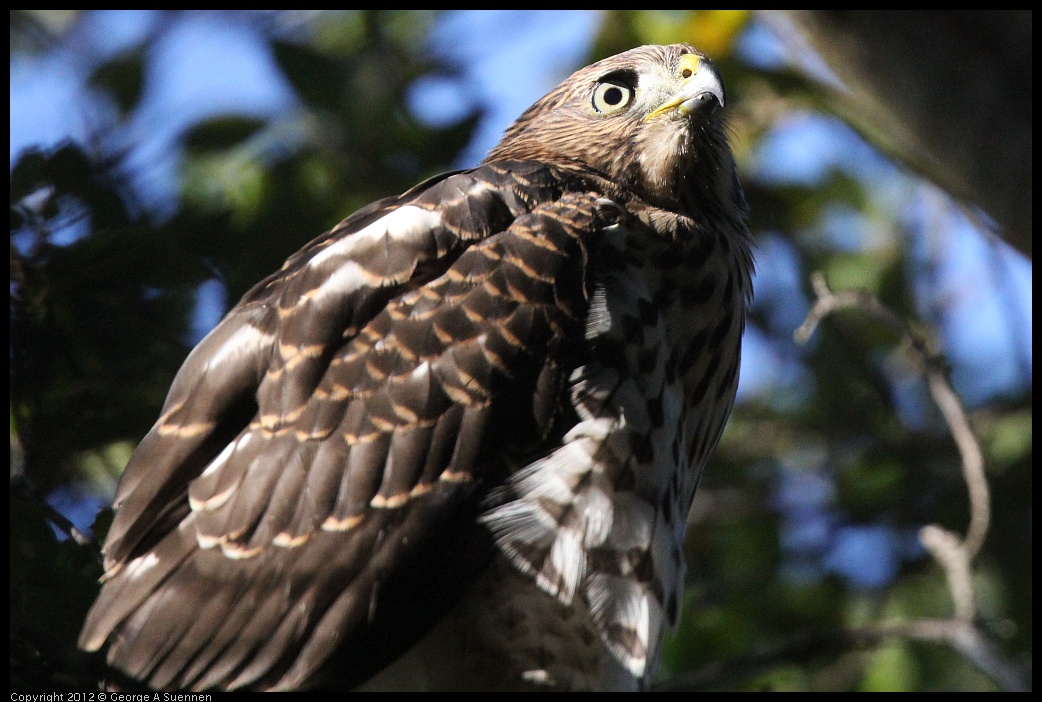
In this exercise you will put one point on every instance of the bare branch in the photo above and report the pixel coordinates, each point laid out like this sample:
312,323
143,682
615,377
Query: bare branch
961,636
931,363
955,555
946,549
22,488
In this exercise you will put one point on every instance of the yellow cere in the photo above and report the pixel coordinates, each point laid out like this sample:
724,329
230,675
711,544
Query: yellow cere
688,68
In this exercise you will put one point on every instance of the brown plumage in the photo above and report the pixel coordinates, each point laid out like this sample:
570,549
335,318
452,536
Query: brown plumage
472,416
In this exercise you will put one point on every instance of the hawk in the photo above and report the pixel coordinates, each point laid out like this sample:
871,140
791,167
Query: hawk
453,442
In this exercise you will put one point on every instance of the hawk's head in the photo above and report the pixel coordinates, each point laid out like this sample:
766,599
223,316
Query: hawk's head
646,119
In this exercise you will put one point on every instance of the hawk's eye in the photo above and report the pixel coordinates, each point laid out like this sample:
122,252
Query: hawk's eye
612,96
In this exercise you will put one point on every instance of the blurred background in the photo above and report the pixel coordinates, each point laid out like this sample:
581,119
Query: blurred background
163,162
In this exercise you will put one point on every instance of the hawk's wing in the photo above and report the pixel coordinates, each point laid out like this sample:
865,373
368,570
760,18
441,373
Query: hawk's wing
337,421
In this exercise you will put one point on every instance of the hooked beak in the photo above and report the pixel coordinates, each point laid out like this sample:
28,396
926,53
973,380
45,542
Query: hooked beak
702,88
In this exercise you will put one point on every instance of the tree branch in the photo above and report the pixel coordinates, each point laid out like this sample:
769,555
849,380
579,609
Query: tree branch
963,637
954,555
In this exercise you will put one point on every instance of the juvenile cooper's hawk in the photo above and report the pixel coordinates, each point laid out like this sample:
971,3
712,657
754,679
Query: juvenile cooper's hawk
471,417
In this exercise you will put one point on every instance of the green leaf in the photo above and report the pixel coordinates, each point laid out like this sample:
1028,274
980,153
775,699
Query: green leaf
317,79
220,133
123,78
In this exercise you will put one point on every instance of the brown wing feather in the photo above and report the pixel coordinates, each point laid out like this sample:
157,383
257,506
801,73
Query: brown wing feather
300,464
